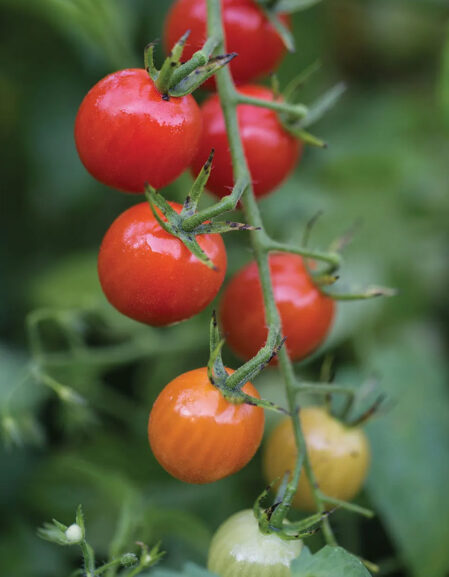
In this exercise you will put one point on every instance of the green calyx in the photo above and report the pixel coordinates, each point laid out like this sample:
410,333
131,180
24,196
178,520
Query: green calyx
231,386
179,79
326,277
286,530
191,222
298,126
296,117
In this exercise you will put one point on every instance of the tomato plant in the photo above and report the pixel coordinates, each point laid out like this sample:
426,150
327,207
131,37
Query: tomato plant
150,276
306,313
239,549
128,135
162,262
339,456
247,30
197,435
271,152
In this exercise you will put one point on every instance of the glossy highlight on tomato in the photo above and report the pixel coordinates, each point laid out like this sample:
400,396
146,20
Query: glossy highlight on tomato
150,275
239,549
197,435
271,152
339,456
306,314
247,32
127,135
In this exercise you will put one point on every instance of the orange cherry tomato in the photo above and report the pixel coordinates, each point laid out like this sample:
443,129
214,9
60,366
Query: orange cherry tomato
339,456
197,435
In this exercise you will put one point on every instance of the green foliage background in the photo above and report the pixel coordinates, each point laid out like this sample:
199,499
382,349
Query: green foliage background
387,164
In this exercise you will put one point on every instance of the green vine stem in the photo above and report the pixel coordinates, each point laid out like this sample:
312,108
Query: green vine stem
262,245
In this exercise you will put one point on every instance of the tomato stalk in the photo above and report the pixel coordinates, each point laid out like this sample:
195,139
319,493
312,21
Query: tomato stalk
296,110
262,245
324,389
331,258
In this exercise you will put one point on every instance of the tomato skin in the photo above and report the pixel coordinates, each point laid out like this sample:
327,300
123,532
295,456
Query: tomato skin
239,549
197,435
247,32
150,276
271,152
306,314
127,135
339,456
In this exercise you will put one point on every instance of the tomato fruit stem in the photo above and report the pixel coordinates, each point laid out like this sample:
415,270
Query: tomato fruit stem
231,386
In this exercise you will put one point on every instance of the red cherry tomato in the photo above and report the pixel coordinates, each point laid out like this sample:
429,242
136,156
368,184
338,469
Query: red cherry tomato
306,314
270,150
128,135
247,32
150,276
197,435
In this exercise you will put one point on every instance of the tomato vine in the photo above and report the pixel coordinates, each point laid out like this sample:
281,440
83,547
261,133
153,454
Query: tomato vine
262,245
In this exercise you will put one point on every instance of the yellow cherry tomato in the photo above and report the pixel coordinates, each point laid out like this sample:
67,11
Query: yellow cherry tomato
339,456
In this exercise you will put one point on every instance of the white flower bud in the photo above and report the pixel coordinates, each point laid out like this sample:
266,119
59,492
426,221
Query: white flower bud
74,533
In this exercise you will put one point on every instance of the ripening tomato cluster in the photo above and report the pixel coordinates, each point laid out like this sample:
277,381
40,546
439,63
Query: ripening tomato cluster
129,135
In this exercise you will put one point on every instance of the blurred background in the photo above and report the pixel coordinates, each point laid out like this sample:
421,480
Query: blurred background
75,430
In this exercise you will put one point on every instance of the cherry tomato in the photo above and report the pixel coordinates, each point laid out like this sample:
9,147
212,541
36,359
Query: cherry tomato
271,152
306,314
128,135
247,32
239,549
197,435
150,276
339,456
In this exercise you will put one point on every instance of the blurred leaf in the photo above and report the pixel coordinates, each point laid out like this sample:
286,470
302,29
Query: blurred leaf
71,283
19,399
102,24
334,561
181,524
410,465
444,87
189,570
42,559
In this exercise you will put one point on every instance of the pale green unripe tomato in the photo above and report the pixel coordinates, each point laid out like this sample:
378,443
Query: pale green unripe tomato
239,549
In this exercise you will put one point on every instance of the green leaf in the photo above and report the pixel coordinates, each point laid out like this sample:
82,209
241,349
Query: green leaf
103,25
70,283
334,561
410,446
444,86
189,570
